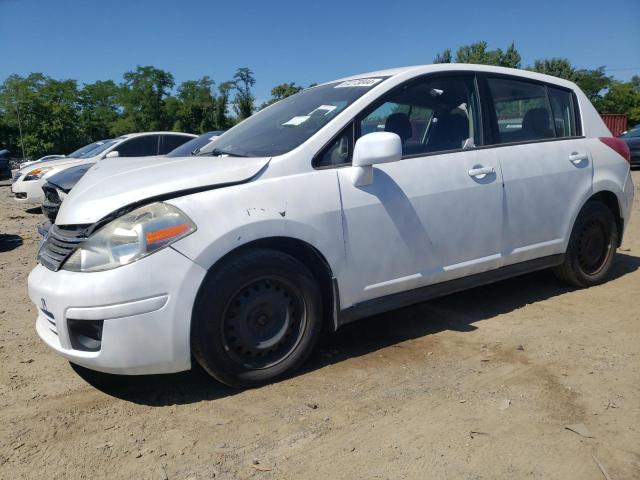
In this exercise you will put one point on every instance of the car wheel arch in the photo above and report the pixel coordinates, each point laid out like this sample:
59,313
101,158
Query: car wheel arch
306,254
612,202
610,199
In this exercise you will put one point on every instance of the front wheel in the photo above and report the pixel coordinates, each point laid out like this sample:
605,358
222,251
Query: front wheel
256,319
592,247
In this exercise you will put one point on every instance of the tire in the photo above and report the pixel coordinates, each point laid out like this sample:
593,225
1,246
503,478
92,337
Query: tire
257,318
592,247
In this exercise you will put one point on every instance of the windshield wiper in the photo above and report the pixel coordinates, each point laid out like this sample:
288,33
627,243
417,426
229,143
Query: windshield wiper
218,152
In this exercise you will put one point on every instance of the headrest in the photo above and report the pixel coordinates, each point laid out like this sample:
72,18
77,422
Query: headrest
537,121
399,124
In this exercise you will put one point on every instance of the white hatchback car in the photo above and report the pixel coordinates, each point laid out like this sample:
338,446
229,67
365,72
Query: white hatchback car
345,200
28,181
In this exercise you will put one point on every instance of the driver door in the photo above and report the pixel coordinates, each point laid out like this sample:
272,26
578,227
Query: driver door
436,214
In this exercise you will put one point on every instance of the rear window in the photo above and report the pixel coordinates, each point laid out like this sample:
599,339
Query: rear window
564,118
530,111
521,110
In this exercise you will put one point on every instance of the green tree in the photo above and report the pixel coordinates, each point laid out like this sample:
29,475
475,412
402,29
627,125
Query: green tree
221,115
480,54
592,83
281,91
46,112
243,80
196,106
623,97
143,95
511,58
444,57
98,104
558,67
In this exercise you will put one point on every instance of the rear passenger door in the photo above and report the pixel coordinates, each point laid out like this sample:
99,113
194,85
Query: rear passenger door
546,167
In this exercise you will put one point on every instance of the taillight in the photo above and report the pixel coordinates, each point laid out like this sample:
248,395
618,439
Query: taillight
619,146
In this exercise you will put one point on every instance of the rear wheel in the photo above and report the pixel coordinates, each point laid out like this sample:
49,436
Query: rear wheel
256,319
592,247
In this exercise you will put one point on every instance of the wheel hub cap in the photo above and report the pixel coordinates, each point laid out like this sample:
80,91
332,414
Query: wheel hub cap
263,322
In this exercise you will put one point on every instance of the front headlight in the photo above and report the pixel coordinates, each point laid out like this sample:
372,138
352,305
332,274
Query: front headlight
130,237
36,174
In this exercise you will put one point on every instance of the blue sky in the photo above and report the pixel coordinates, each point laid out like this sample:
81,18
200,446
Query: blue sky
302,41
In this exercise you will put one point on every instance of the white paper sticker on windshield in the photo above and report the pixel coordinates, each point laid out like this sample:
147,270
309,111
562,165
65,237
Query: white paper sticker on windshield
360,82
323,109
297,120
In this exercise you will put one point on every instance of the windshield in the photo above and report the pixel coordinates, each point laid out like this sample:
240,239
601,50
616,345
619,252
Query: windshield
290,122
194,146
98,150
86,149
634,132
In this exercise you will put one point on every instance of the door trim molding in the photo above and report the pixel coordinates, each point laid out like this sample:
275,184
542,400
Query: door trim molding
422,294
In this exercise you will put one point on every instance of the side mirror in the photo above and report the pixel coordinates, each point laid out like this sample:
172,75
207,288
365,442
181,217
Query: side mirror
112,154
372,149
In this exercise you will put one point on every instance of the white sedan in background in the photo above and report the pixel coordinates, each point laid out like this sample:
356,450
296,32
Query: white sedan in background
28,181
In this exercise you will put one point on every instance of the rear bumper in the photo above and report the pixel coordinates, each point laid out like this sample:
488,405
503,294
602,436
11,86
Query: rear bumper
628,195
142,310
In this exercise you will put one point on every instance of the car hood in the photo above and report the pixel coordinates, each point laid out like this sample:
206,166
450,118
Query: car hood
66,179
63,162
116,183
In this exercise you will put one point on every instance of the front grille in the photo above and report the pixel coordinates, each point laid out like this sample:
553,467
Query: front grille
59,244
51,203
16,176
51,193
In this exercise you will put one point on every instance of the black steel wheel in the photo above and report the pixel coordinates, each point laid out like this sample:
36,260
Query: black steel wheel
592,247
256,319
263,322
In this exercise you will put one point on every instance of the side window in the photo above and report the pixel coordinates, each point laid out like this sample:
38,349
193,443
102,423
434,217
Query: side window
171,142
431,115
339,151
564,118
522,110
139,146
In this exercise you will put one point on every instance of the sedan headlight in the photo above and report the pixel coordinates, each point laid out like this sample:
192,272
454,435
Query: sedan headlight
36,174
130,237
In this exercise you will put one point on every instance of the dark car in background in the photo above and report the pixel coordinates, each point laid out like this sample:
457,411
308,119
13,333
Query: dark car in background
632,139
60,184
5,169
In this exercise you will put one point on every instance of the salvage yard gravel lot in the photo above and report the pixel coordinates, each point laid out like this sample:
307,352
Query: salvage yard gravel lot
478,385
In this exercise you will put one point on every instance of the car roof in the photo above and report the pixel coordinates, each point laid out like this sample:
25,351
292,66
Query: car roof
141,134
415,70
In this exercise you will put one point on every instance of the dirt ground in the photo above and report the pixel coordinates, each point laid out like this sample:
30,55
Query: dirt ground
477,385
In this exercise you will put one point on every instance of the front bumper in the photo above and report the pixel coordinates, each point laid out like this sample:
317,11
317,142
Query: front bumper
28,193
144,310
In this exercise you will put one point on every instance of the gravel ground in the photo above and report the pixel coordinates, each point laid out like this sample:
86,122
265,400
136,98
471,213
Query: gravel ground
478,385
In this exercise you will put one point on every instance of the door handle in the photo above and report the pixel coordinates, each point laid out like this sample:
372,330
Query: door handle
577,158
481,172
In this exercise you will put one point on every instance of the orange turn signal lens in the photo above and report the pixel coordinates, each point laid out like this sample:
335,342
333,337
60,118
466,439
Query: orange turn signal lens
166,233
